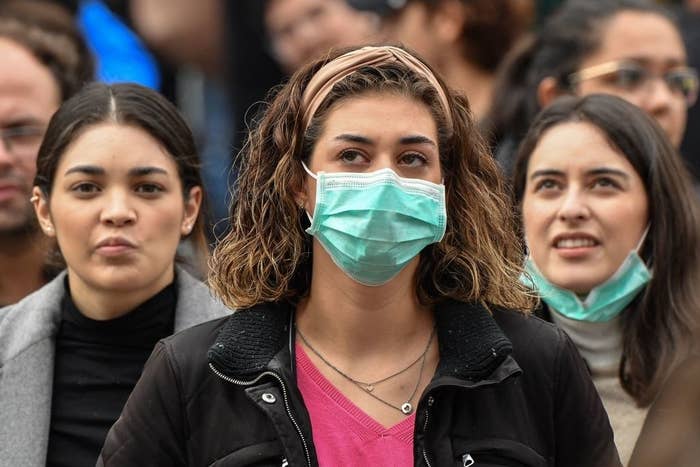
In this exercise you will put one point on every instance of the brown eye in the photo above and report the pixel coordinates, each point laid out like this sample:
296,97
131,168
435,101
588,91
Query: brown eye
546,184
413,159
85,188
149,188
629,77
352,156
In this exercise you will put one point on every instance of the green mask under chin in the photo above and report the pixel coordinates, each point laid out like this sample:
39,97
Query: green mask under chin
604,302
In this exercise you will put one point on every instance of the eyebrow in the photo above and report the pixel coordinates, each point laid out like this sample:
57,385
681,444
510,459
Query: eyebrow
546,173
596,171
141,171
673,62
414,139
608,171
135,172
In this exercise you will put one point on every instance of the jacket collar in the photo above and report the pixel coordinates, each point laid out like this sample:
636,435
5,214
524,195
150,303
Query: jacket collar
472,345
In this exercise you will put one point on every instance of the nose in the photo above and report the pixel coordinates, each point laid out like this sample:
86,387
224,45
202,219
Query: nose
117,211
574,207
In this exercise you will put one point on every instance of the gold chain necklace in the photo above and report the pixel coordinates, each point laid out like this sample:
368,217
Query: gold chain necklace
407,407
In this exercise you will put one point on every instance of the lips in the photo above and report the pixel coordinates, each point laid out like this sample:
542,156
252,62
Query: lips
575,240
115,246
10,190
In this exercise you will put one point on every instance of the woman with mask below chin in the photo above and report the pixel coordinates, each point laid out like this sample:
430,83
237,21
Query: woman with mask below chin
611,224
117,186
374,266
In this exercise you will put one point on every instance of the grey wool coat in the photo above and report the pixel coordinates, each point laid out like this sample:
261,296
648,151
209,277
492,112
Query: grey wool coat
27,347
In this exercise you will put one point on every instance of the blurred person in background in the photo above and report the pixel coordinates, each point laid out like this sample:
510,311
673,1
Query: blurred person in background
688,13
44,62
612,226
629,48
117,187
304,30
193,38
466,40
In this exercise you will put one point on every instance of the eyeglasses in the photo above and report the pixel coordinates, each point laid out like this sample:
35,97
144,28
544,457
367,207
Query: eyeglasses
633,77
22,141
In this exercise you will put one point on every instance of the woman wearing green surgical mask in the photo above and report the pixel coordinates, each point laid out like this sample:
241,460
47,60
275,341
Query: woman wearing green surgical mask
611,225
374,265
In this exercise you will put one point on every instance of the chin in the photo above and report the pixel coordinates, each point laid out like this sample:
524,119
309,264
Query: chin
124,279
579,286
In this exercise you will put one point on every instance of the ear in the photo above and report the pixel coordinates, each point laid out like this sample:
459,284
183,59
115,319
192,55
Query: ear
43,214
547,91
449,19
301,198
302,194
192,205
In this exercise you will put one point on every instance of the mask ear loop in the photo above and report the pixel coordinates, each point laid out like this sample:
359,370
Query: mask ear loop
644,237
315,177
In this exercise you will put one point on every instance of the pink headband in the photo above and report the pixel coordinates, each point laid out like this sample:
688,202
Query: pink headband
336,70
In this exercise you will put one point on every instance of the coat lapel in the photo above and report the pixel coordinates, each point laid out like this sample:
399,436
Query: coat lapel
27,331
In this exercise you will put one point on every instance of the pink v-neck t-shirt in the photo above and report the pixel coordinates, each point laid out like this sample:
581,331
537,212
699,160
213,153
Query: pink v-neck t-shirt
344,434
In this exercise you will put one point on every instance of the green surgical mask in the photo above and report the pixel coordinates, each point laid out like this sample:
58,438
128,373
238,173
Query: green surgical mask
373,224
604,302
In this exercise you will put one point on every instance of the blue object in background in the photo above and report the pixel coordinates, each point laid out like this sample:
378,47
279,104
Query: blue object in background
120,54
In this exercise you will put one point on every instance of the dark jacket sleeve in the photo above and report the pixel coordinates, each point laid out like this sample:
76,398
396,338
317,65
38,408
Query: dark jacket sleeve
150,430
583,434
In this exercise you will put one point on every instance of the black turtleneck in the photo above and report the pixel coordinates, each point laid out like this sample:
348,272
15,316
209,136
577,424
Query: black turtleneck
97,365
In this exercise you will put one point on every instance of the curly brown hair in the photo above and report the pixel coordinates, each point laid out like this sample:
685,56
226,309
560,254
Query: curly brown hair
266,256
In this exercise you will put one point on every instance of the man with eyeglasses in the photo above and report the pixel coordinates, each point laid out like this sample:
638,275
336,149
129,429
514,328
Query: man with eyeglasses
44,61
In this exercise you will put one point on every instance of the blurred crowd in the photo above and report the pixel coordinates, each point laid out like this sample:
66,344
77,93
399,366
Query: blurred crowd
219,62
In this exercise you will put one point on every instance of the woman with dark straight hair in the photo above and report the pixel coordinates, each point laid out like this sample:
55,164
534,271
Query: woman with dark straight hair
118,187
629,48
613,231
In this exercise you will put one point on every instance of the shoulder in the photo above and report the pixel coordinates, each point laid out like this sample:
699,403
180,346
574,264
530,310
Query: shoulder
195,302
249,336
536,343
526,328
193,342
32,319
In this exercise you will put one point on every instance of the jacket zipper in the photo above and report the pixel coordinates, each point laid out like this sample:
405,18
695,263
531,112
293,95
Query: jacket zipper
431,399
284,395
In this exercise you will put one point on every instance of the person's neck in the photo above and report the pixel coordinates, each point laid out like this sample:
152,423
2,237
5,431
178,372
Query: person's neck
474,82
350,319
103,304
22,264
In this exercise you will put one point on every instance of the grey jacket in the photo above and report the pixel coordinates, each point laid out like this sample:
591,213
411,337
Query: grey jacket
27,343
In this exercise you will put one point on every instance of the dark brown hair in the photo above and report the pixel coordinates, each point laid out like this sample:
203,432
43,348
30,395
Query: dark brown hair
658,330
267,254
125,104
